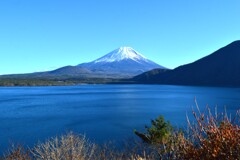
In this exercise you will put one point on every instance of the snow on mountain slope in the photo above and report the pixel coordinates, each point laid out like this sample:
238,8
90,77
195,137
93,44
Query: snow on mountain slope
122,53
121,61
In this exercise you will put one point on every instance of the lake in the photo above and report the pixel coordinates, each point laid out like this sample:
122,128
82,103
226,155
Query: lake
101,112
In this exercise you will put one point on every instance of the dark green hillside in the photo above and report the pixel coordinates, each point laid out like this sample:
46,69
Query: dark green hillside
221,68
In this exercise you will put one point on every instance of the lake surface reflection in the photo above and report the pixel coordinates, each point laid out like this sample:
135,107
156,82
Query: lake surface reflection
102,112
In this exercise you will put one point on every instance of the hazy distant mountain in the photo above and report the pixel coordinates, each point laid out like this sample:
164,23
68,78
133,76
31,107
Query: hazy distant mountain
123,61
69,70
221,68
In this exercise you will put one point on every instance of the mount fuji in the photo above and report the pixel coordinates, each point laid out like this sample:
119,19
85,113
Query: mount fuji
124,62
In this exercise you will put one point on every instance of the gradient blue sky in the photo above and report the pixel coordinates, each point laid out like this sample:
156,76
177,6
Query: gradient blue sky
40,35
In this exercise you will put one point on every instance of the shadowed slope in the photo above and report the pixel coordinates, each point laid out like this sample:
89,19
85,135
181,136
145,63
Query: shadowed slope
221,68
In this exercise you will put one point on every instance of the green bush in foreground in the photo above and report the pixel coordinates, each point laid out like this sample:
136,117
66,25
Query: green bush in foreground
158,133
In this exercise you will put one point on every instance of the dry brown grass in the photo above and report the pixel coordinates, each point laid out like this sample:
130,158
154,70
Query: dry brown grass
73,147
67,147
18,153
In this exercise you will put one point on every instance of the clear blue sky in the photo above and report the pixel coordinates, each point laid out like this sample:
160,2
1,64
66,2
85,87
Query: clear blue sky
40,35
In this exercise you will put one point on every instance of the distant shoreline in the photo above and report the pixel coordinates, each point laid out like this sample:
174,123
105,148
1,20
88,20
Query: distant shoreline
56,83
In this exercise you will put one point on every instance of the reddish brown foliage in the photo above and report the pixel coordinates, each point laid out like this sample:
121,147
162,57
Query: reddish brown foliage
213,137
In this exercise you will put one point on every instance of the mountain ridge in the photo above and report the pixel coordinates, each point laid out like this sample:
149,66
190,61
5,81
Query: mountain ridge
221,68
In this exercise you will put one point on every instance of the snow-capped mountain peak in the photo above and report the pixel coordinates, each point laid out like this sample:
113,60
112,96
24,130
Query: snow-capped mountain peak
123,61
122,53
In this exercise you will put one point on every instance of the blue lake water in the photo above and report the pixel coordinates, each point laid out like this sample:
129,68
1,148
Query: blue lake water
101,112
